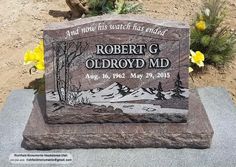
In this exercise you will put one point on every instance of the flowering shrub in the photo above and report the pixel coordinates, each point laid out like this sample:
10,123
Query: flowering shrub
209,36
35,57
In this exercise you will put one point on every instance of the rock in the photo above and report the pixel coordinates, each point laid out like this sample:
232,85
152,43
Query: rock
118,110
110,109
78,7
103,107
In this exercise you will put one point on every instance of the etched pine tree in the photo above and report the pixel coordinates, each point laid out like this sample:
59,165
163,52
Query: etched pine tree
160,95
178,86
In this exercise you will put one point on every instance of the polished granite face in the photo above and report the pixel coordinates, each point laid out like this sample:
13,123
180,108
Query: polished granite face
121,66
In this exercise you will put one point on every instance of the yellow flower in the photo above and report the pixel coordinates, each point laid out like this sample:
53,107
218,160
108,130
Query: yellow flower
190,69
36,56
201,25
29,57
39,55
39,52
197,58
40,65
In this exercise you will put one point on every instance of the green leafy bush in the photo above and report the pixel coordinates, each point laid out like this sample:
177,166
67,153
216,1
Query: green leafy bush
210,36
98,7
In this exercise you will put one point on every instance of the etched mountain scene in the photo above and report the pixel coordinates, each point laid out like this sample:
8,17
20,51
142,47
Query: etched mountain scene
126,99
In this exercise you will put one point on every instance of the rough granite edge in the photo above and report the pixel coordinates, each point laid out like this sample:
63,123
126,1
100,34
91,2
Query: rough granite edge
197,133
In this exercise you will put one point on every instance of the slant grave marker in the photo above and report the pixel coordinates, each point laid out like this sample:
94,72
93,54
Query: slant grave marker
121,69
117,82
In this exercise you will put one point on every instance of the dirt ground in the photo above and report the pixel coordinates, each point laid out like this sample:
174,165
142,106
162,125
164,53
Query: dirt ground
21,27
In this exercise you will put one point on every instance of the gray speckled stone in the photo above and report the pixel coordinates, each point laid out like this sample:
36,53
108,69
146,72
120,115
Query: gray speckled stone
196,133
219,108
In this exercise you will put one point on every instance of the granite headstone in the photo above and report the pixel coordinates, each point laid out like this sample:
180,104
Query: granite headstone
117,82
117,69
